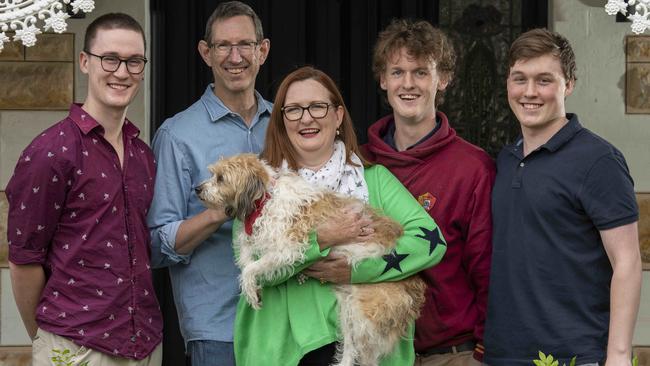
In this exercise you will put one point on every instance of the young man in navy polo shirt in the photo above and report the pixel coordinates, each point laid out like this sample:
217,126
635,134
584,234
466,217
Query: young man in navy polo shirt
566,268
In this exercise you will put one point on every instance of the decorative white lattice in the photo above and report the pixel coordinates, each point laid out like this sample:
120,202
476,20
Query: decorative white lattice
22,17
640,17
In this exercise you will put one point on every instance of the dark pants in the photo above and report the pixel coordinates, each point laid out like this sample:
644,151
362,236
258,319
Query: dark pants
323,356
211,353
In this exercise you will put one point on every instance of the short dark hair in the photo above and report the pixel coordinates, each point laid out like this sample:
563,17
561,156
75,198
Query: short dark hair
111,21
422,41
539,42
232,9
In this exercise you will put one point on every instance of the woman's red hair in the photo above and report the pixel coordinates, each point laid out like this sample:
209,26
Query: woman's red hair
278,147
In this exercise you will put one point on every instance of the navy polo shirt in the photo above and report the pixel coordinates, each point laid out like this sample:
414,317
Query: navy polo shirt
550,277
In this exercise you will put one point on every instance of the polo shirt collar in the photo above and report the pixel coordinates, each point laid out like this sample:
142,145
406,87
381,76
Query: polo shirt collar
217,110
566,133
87,123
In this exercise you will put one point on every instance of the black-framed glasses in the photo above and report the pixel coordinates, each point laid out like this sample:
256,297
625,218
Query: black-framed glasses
316,110
224,49
110,63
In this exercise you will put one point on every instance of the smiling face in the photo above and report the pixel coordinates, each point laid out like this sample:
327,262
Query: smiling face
411,86
536,91
112,90
234,73
312,139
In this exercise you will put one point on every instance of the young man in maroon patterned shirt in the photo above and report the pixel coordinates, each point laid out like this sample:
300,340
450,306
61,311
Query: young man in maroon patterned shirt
78,200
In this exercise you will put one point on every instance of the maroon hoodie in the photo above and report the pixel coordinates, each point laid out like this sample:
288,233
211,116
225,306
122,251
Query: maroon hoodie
453,180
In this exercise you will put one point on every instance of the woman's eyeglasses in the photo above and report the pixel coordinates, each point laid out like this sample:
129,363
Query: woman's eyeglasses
316,110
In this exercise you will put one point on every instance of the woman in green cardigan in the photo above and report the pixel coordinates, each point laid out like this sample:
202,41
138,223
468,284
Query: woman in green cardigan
311,132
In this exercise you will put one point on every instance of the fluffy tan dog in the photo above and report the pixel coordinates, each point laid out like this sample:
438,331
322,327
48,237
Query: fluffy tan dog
279,210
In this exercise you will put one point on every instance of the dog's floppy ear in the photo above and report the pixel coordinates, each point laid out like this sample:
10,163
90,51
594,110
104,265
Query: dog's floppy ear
246,196
272,172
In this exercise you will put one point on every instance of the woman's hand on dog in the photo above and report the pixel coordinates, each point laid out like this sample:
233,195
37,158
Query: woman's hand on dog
333,268
352,226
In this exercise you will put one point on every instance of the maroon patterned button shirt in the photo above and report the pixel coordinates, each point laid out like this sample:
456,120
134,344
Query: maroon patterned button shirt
75,211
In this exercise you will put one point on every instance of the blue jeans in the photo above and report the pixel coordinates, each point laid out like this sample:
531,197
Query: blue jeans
211,353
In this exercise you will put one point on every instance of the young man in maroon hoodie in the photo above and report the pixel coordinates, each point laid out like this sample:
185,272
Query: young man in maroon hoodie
451,178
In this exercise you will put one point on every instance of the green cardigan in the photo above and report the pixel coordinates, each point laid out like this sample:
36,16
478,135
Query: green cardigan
298,318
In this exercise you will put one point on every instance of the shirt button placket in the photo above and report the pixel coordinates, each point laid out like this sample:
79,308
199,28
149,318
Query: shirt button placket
130,233
518,177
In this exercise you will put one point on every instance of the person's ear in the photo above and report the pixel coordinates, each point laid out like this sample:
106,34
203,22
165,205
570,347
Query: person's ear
340,112
569,87
84,58
265,47
382,81
204,50
443,82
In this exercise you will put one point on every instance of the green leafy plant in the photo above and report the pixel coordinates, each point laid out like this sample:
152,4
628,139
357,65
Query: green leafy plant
65,358
545,360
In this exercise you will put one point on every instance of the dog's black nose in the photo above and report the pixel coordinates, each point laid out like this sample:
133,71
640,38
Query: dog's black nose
197,190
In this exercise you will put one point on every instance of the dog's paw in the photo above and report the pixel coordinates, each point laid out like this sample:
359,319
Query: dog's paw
257,305
254,300
252,293
248,284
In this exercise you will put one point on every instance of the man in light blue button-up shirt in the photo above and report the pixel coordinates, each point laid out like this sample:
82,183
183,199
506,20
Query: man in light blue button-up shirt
195,242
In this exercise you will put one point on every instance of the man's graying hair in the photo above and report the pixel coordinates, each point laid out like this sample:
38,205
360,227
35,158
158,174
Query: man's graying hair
229,10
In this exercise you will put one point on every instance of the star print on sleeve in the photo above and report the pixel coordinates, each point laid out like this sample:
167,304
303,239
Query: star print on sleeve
433,237
393,260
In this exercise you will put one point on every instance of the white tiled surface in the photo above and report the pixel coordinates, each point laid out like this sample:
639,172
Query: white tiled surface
12,332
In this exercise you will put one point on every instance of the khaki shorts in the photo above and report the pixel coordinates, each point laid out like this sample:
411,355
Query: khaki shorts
465,358
45,342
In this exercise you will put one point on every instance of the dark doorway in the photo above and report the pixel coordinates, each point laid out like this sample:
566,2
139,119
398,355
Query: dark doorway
337,36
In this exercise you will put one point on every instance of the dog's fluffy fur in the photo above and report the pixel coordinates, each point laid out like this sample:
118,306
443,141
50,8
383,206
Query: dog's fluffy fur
372,317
